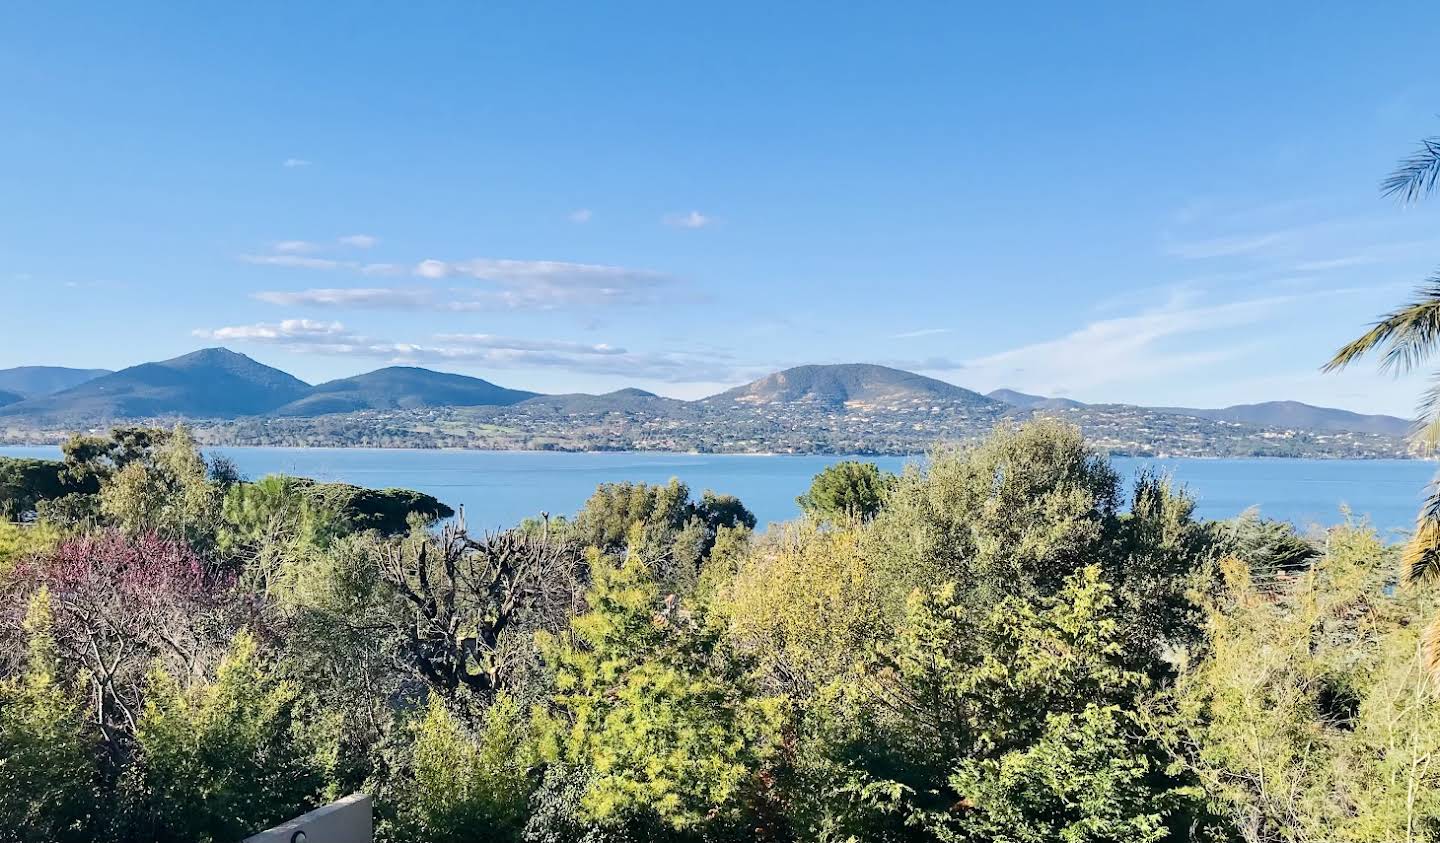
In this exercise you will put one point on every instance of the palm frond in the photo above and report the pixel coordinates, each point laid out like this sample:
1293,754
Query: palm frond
1426,432
1420,558
1416,176
1410,334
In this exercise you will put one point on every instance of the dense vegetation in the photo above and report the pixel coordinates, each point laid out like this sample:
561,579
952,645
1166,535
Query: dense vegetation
1001,647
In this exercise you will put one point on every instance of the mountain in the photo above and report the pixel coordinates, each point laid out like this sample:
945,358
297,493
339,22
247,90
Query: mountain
620,401
848,384
1298,416
1291,415
34,381
8,398
1026,401
212,383
401,387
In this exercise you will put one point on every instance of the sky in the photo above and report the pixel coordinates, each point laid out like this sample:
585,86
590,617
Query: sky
1155,203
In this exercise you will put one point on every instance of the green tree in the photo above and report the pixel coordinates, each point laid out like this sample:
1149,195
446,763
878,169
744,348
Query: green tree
649,705
48,774
170,493
461,787
847,490
224,759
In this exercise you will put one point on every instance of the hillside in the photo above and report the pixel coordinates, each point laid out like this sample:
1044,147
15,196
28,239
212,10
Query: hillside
846,385
35,381
401,387
628,400
213,383
1284,415
1294,415
7,398
1026,401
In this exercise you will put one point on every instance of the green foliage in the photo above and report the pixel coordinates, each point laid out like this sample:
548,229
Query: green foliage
48,775
1312,715
168,492
660,524
19,541
647,703
847,490
462,786
26,482
389,511
224,759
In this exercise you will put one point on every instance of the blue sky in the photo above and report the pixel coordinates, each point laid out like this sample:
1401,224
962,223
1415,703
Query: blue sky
1127,202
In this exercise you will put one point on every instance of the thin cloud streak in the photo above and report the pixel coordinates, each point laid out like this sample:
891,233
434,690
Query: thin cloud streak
307,336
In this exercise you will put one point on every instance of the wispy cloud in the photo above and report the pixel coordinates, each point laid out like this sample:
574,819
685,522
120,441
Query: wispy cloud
292,247
308,336
693,219
1129,348
581,215
359,241
1232,246
504,284
923,332
295,162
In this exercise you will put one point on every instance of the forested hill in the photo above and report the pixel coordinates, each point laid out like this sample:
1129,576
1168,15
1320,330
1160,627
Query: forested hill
401,387
210,383
34,381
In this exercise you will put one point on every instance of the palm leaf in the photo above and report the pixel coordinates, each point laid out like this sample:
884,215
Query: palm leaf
1420,558
1409,335
1416,176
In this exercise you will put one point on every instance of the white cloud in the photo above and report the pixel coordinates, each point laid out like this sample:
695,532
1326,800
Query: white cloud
432,269
295,162
581,215
923,332
484,350
296,246
354,297
693,219
359,241
1127,348
293,260
493,341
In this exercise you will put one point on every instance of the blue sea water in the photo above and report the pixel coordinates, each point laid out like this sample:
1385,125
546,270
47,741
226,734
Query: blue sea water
499,488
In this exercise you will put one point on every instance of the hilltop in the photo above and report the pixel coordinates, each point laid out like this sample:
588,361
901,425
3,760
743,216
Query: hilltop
210,383
848,384
401,387
35,381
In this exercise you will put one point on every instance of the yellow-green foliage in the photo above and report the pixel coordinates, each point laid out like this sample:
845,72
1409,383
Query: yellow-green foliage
226,758
1315,718
647,704
18,541
810,602
461,783
170,493
47,769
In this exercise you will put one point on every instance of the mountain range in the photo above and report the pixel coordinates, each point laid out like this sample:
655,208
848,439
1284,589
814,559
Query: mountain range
217,384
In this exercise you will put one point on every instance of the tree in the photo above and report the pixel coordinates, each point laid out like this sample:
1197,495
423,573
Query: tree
48,775
121,603
459,787
24,483
226,758
661,525
169,493
849,490
650,707
1408,337
471,606
1036,714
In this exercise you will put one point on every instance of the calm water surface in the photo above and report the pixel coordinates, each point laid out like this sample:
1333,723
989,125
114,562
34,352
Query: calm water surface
499,488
